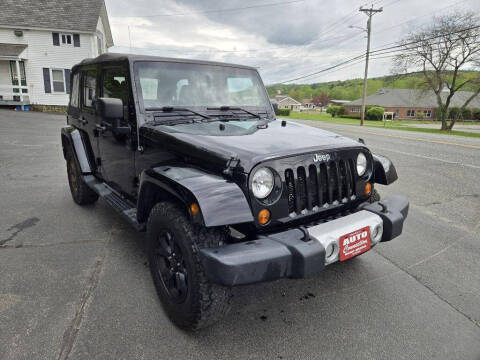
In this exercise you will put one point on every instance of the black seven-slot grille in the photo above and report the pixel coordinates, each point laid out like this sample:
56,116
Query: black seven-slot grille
320,185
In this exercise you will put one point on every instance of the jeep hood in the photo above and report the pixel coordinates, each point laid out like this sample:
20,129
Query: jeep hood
275,141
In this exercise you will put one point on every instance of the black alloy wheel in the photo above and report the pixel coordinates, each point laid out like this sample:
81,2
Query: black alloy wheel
171,267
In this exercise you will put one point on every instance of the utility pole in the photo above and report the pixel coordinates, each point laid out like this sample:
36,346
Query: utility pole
369,12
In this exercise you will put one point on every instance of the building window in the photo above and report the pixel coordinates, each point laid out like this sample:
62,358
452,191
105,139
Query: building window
410,113
428,113
58,80
66,39
355,110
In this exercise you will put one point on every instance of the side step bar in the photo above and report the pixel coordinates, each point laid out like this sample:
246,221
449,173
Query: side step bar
123,206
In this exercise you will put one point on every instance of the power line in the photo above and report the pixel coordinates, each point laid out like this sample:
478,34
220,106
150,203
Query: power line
379,52
215,10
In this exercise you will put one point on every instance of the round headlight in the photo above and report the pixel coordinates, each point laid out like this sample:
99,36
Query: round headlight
262,183
361,164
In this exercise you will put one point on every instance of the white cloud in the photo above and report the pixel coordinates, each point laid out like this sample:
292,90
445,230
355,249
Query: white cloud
284,41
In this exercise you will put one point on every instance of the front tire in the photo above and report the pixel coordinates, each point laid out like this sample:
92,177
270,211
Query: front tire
190,300
81,193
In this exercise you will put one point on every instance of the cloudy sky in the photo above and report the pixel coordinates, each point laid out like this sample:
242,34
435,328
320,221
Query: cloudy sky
282,38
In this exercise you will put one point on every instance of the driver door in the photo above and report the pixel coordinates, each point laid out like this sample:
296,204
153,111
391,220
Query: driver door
116,150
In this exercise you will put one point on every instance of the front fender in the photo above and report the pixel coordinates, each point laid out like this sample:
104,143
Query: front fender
221,202
383,170
73,141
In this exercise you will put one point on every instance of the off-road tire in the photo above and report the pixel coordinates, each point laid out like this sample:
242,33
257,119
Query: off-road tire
374,197
205,302
81,193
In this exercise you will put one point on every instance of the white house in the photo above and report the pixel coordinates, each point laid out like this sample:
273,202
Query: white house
41,41
286,102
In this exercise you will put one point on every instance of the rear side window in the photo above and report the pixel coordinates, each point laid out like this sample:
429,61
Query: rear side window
89,87
75,90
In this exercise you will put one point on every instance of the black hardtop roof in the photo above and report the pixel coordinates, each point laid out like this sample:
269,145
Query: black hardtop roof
113,57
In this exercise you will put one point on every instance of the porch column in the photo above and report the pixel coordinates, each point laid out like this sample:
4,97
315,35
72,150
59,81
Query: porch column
19,76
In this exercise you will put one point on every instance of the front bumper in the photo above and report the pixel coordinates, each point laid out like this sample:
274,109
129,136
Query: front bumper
299,253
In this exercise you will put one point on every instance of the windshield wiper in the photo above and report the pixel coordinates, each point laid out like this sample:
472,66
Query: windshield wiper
226,108
167,109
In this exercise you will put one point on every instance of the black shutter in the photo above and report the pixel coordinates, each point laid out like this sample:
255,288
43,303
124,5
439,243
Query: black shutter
76,40
67,80
56,39
46,80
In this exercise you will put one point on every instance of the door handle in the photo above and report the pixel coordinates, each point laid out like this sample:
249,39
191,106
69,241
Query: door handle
83,121
100,128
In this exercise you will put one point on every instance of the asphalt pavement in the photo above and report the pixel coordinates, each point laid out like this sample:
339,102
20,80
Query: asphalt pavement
74,282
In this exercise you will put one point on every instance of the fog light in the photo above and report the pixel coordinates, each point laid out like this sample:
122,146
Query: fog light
263,216
368,189
377,233
329,250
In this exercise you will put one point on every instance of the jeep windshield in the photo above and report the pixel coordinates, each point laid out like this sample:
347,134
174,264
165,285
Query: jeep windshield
201,87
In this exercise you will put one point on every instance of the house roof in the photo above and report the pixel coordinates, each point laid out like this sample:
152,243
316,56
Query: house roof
421,98
287,98
70,15
307,101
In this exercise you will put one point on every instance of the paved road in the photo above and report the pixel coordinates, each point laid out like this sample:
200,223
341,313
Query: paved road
74,282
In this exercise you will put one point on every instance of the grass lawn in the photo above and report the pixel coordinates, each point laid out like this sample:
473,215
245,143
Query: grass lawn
397,125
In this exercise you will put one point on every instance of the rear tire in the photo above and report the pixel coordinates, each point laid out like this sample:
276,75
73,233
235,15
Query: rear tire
190,300
81,193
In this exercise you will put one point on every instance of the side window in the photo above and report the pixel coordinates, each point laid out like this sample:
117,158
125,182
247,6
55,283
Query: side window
75,90
89,87
114,84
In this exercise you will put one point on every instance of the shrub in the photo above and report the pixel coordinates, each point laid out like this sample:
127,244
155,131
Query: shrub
476,114
375,113
356,117
335,110
282,112
420,115
467,114
454,112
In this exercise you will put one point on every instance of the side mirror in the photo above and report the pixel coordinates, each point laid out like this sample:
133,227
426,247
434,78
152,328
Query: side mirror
109,108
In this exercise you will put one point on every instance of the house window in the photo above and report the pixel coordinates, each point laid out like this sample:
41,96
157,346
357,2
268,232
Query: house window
397,112
66,39
58,80
428,113
355,110
410,113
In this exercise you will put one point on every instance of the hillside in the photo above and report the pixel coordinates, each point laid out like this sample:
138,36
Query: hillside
352,89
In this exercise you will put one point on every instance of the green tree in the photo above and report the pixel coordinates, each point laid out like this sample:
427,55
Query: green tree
440,51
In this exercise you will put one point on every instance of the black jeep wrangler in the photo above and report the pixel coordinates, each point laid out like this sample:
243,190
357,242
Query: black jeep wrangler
191,152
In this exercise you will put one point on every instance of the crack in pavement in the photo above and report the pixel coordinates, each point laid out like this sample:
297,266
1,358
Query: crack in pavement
70,334
7,246
19,228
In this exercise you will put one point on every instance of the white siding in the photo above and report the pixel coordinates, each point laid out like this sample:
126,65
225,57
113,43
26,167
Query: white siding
101,30
41,53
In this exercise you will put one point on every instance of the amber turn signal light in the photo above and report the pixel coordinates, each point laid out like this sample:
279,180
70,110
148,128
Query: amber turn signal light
263,216
368,188
194,209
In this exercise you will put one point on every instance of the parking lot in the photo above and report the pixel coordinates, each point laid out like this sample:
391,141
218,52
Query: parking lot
74,282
